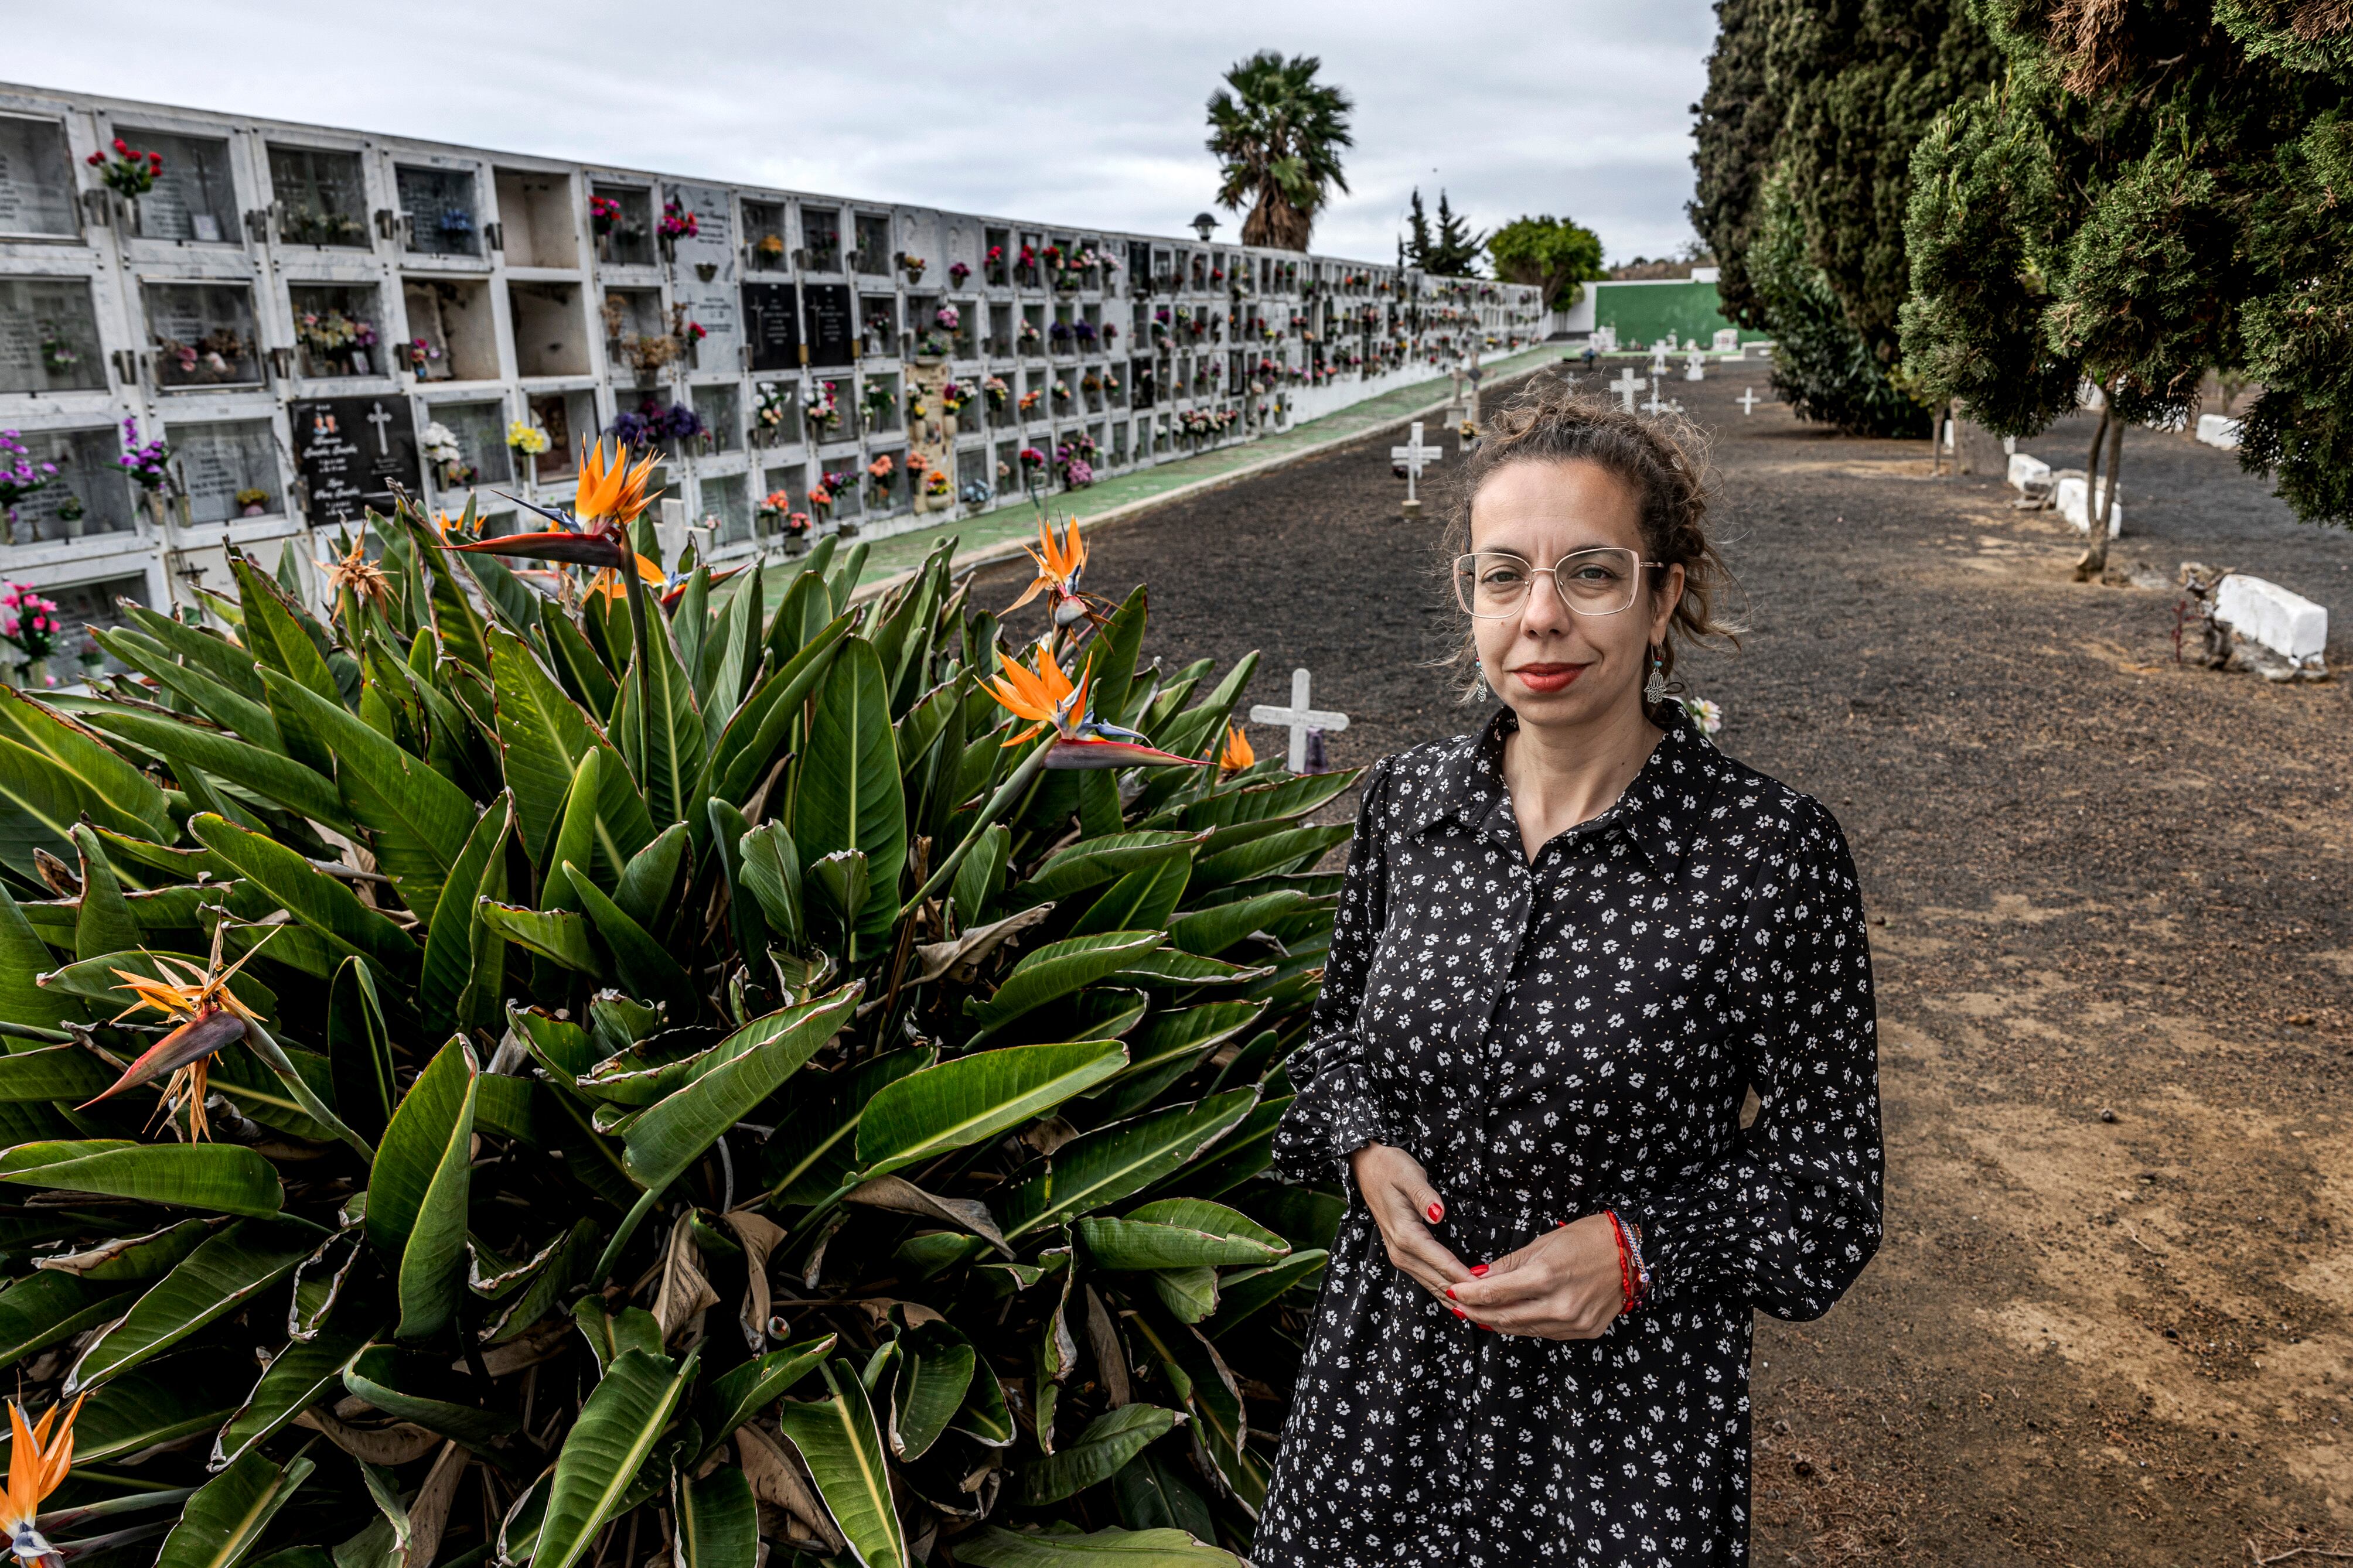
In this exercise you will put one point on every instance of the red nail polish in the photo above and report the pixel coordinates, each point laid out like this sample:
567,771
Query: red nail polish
1478,1271
1450,1292
1460,1314
1437,1213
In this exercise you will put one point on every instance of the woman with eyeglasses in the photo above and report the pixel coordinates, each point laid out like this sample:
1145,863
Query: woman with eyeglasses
1568,948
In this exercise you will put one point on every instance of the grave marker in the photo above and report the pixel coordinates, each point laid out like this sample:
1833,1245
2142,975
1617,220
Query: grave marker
1693,370
1299,718
1749,400
1627,384
1413,455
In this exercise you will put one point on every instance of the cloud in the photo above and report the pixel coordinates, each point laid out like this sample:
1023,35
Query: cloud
1067,114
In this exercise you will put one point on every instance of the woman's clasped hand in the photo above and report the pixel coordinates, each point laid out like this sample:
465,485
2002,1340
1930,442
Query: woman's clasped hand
1566,1284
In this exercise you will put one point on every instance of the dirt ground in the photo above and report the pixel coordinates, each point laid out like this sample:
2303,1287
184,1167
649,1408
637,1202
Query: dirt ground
2109,1324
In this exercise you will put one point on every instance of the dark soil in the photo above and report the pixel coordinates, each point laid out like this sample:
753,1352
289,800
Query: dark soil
2113,1318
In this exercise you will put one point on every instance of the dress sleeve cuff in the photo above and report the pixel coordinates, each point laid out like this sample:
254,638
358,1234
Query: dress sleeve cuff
1335,1114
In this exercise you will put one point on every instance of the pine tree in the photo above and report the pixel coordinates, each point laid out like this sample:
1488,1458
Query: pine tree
1413,244
1454,251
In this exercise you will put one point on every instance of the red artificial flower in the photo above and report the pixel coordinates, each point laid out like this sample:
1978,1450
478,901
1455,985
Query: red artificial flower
95,159
121,147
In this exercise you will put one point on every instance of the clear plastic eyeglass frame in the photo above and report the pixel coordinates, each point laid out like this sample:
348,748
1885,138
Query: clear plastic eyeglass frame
1466,574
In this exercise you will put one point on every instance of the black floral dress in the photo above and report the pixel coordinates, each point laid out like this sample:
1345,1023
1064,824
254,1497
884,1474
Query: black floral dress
1550,1039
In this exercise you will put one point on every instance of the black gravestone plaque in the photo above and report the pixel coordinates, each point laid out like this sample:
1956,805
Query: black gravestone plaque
349,452
832,324
772,326
1139,382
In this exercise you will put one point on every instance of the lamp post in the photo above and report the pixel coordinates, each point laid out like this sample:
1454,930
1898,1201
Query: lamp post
1202,223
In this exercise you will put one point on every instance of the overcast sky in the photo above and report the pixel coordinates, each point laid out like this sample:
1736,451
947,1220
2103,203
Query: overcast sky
1573,107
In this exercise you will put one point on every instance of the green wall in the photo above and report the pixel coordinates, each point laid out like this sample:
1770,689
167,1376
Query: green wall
1645,312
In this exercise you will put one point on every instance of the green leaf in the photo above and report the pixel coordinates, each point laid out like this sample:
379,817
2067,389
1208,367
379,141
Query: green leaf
740,1393
558,935
1110,1441
54,1073
1059,969
614,1436
717,1522
672,1135
1154,1494
646,969
996,1547
326,904
542,736
1101,1167
102,920
224,1178
1275,852
280,779
1143,900
46,1307
223,1273
612,1335
417,820
1179,1232
977,879
974,1098
127,799
813,1150
746,748
1169,967
23,956
141,1410
672,731
934,1375
1210,931
1246,1291
417,1190
39,803
772,871
299,1378
850,796
1203,1381
651,875
451,936
841,1446
1189,1294
1092,861
228,1515
411,1388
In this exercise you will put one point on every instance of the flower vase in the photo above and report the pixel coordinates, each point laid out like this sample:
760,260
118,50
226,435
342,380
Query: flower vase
33,675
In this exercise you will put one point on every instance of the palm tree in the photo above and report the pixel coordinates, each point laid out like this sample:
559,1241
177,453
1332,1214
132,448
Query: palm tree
1278,134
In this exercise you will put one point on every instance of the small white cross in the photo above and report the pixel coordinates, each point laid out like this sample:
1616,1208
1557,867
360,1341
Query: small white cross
1654,406
379,418
1749,400
1300,717
1413,455
1627,384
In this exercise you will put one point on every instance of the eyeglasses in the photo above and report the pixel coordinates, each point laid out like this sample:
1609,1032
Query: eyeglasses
1493,585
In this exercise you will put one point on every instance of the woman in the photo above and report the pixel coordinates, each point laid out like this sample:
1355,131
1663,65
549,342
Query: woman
1568,948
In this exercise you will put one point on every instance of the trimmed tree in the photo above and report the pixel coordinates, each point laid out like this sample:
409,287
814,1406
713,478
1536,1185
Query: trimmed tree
1553,253
2142,202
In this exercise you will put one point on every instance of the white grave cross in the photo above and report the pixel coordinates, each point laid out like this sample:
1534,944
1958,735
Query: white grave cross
1299,718
379,418
1413,455
1692,365
1659,358
1654,406
1627,384
1749,400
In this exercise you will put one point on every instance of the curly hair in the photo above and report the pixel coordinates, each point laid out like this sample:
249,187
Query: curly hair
1663,459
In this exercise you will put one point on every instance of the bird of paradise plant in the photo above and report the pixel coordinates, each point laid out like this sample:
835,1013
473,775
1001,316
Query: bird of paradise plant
1046,697
37,1462
1236,755
354,573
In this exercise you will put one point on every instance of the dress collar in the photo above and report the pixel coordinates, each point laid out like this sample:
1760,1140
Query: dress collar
1654,813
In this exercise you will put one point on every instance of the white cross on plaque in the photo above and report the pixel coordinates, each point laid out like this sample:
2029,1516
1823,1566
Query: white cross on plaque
1300,717
380,419
1749,400
1627,384
1413,455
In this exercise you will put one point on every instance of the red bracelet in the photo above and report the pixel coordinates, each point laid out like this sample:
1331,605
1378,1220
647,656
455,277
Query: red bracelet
1631,1280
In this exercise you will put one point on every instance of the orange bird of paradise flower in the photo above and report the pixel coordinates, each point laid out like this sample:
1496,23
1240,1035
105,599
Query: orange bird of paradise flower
596,532
1060,563
37,1463
1237,756
1046,697
210,1016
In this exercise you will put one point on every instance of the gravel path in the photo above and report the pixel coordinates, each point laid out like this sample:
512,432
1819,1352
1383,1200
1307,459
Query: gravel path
2110,1323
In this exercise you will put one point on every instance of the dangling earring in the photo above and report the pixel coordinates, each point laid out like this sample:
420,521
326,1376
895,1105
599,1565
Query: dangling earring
1479,693
1656,691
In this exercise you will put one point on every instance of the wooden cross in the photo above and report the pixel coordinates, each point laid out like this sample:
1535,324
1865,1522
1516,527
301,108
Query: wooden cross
1413,455
1299,718
1627,384
1749,400
380,419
